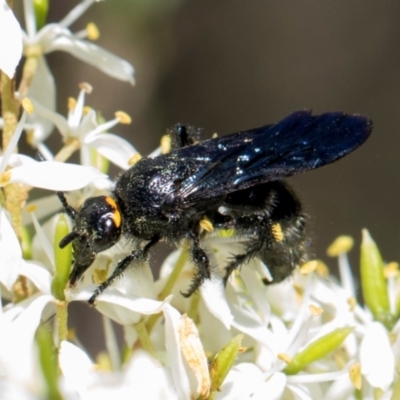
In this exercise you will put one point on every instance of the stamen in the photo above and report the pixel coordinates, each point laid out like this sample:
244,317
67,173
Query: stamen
27,105
123,117
92,31
71,103
206,224
308,267
134,159
284,357
86,87
355,375
165,144
342,244
315,311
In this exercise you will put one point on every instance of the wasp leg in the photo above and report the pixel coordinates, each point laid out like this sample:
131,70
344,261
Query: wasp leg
183,135
122,266
202,262
261,226
270,214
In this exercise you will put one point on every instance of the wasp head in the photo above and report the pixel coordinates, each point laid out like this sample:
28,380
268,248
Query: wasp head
97,227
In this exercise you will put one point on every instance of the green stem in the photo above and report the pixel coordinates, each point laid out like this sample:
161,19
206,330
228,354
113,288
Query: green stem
62,320
144,338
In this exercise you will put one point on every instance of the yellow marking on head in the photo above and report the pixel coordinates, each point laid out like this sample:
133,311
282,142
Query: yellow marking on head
116,214
206,225
277,232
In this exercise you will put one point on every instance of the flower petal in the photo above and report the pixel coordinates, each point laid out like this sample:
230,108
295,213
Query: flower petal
213,294
10,40
10,252
55,176
376,357
114,148
180,377
94,55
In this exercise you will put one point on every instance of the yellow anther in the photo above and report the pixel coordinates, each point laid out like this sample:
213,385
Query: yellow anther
315,310
92,31
308,267
5,178
123,117
86,110
355,375
71,103
214,135
284,357
165,144
342,244
27,105
391,270
277,232
100,275
86,87
352,302
298,289
322,269
206,225
134,159
31,208
30,136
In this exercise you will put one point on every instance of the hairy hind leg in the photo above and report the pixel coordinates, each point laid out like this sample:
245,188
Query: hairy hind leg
202,263
271,215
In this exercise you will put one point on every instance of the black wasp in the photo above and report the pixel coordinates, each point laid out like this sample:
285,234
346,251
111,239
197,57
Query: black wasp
234,182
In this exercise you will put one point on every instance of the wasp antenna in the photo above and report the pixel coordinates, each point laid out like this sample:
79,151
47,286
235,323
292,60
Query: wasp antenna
71,212
68,239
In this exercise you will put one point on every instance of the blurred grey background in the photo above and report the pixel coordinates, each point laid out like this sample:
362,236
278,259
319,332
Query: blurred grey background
229,65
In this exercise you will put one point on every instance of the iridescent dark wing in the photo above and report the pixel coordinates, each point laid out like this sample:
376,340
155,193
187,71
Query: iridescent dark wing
298,143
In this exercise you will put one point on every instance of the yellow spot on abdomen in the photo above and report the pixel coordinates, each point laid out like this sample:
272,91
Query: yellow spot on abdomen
277,232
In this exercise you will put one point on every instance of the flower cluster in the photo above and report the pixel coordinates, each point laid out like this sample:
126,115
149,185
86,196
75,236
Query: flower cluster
305,338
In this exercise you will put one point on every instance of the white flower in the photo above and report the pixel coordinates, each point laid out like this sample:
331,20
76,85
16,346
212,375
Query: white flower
81,128
376,357
10,40
57,36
